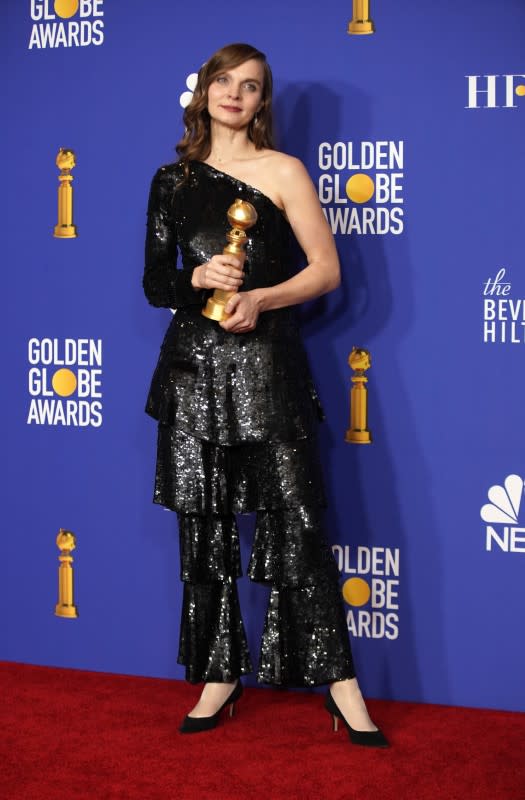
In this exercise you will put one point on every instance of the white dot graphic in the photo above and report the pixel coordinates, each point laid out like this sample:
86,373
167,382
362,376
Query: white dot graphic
191,83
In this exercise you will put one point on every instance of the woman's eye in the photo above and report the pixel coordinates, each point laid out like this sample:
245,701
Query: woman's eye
251,87
222,79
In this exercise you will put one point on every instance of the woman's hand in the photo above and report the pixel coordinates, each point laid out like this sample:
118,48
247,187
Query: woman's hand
220,272
244,310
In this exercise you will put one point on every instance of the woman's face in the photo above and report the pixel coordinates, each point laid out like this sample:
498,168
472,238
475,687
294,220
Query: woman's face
235,96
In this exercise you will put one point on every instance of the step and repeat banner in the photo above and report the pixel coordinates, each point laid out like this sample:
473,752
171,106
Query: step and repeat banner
414,136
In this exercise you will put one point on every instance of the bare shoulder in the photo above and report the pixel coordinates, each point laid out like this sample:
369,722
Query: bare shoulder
286,178
285,168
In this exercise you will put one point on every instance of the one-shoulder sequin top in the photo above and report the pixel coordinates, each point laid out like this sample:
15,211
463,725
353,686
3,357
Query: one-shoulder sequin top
218,386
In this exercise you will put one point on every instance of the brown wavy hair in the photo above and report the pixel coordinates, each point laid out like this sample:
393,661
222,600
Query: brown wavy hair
196,142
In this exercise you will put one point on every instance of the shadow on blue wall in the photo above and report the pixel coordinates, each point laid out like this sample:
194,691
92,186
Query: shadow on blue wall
362,479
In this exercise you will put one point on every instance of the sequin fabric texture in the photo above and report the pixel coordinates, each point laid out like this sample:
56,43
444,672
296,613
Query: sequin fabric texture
237,417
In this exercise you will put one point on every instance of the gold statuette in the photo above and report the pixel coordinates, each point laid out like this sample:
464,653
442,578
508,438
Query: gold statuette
65,607
65,229
358,433
241,216
361,22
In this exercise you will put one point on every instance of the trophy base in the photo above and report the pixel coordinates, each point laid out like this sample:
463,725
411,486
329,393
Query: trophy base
65,232
214,310
361,26
358,437
69,612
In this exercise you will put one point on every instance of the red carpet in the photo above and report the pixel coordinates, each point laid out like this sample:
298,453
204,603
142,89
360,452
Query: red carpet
72,735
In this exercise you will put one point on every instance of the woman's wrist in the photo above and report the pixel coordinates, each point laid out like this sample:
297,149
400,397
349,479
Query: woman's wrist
195,279
259,298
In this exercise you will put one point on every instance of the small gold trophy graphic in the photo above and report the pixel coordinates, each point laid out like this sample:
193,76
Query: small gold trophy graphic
241,216
65,607
358,433
361,22
65,229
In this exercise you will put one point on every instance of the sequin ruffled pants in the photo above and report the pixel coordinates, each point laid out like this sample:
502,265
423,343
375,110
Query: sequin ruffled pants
305,638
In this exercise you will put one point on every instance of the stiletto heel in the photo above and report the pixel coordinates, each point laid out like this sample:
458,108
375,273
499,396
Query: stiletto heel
367,738
198,724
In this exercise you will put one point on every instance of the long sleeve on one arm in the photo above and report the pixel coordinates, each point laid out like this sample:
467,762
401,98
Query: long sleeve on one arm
165,285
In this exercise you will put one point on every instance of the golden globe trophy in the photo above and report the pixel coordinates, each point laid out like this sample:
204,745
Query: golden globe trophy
358,432
65,229
65,607
241,216
361,22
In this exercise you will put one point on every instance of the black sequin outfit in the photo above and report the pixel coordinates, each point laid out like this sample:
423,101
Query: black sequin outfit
237,418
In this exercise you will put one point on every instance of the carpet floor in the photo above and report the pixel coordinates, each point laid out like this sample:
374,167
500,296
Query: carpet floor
74,735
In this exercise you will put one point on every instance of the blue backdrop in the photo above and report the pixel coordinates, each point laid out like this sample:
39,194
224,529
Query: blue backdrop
431,108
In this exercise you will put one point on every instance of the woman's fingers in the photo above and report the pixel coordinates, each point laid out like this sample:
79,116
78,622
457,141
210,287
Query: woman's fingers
232,304
227,283
226,264
243,314
222,272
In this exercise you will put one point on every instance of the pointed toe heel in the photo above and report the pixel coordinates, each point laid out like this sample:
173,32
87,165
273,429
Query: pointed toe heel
366,738
199,724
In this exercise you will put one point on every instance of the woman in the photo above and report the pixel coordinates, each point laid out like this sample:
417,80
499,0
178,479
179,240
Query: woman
236,407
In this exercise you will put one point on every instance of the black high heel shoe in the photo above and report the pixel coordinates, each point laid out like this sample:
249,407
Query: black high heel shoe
367,738
198,724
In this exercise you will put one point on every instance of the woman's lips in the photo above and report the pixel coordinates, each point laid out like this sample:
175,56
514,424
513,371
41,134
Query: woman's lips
232,108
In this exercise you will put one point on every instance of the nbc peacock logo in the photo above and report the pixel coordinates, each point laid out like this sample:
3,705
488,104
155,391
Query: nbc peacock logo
503,511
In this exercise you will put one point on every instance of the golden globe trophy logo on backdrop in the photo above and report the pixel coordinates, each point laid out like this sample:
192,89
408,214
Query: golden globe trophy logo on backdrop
503,315
361,23
372,580
54,26
503,511
65,607
358,433
494,91
361,186
65,368
64,229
